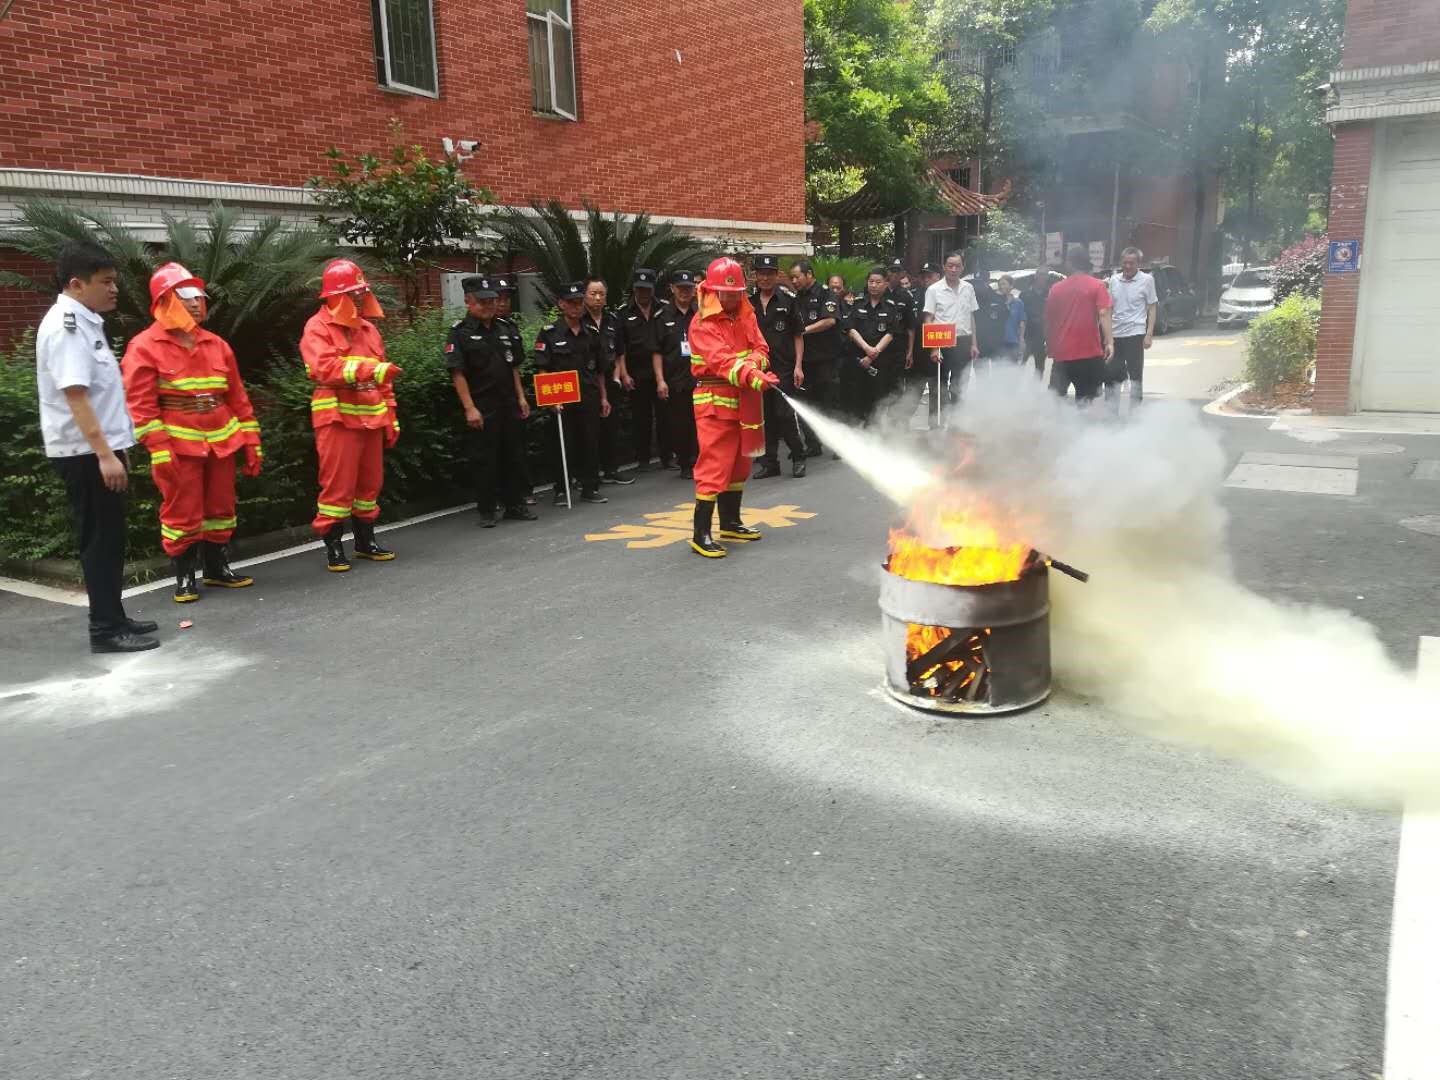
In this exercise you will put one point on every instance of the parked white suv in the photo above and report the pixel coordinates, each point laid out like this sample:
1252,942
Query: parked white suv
1248,295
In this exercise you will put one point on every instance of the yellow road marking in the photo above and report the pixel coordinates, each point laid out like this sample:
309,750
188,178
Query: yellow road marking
674,526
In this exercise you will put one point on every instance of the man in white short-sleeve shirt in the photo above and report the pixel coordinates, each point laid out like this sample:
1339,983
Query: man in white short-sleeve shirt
87,431
1133,300
951,300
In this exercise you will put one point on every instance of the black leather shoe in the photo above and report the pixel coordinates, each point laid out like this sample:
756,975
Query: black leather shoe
365,545
124,642
670,463
687,472
141,626
616,478
559,499
487,519
521,513
218,571
764,470
593,497
797,468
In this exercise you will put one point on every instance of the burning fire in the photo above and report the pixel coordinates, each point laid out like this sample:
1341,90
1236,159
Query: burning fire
973,551
941,664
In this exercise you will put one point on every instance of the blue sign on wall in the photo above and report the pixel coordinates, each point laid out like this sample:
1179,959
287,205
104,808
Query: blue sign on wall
1344,256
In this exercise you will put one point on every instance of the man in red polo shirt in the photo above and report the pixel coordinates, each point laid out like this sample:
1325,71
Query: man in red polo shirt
1077,321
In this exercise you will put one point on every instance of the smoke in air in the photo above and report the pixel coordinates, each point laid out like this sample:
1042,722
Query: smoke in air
1163,633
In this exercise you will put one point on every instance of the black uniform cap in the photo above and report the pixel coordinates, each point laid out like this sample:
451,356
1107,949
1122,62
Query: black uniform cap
928,268
766,262
574,291
644,278
682,277
502,284
478,287
897,266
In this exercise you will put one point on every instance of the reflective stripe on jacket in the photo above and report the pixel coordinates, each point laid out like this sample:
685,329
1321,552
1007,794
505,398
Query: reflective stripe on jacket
351,375
189,402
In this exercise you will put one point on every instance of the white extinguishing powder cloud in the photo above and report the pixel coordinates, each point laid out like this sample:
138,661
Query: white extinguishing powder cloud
1163,633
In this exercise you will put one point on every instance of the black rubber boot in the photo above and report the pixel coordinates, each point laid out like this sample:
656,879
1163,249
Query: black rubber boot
218,571
797,467
764,469
186,591
731,527
365,545
335,559
701,542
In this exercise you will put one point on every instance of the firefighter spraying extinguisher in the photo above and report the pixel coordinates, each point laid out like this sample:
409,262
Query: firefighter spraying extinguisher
191,411
730,361
352,411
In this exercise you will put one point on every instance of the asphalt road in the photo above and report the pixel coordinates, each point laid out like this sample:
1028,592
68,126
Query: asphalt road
520,805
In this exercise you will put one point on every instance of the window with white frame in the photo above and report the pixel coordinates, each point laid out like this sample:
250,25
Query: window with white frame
552,57
405,45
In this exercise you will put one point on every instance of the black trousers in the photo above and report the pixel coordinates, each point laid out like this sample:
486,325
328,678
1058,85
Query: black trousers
953,362
821,390
582,444
1128,361
679,414
1035,350
645,434
610,429
781,423
100,520
1085,375
497,455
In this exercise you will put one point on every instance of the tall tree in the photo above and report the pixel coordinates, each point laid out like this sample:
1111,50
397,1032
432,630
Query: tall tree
873,95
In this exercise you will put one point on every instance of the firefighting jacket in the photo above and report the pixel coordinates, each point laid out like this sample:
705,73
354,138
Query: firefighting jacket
726,357
351,375
187,402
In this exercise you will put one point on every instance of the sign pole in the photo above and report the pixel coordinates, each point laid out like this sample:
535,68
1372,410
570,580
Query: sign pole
939,397
564,461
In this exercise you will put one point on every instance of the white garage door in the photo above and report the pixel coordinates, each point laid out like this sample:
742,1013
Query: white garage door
1400,284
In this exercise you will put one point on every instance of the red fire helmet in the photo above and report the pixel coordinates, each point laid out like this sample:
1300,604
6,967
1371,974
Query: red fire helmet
725,275
172,276
342,276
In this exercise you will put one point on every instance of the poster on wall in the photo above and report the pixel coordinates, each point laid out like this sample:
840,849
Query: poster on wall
1097,254
1054,248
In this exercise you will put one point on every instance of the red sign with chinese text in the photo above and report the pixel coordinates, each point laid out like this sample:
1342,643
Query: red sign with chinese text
557,388
938,335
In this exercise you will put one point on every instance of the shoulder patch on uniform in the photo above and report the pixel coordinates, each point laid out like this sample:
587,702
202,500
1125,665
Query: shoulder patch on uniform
456,323
68,321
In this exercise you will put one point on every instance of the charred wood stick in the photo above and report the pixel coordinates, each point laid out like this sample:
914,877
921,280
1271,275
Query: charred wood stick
1067,569
939,654
954,684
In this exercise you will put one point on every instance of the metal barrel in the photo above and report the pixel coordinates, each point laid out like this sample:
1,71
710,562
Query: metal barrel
1017,648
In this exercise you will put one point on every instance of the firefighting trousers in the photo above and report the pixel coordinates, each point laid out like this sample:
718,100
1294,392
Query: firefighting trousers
352,472
721,466
197,501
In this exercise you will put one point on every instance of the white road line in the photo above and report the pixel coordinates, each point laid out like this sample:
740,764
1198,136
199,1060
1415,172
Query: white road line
42,592
1412,1009
77,599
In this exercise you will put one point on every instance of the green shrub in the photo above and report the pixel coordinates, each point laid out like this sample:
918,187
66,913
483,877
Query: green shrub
34,521
1280,345
852,270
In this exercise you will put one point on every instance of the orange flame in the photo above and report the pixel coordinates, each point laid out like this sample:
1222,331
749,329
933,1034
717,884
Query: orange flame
971,551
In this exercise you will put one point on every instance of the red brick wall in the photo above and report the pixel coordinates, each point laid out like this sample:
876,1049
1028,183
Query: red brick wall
256,92
1349,196
21,309
1379,32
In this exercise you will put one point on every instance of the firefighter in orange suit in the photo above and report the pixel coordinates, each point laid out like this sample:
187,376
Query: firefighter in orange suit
191,411
729,359
352,411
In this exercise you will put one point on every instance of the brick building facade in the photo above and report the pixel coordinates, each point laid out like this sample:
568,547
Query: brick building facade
144,108
1379,325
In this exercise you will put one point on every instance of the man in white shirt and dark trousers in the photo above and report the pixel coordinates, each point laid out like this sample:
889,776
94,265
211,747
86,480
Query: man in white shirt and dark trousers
1132,294
951,300
87,431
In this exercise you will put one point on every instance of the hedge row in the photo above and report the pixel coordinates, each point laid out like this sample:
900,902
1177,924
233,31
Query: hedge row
428,462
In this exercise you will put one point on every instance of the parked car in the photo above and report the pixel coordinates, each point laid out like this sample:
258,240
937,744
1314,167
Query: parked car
1178,305
1248,294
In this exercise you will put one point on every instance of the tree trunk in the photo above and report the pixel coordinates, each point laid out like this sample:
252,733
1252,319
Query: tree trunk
987,110
901,238
847,239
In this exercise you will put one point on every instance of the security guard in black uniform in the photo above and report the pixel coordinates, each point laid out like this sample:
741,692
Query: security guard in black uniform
572,343
877,332
820,311
505,285
778,312
905,299
616,380
485,368
638,324
674,385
